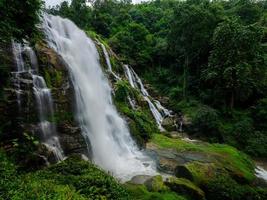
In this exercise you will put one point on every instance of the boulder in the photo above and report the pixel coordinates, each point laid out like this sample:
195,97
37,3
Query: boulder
139,179
155,184
184,186
169,124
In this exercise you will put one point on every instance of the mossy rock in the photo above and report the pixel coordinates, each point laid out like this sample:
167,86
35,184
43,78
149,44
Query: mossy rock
204,160
156,184
182,171
202,172
186,187
169,124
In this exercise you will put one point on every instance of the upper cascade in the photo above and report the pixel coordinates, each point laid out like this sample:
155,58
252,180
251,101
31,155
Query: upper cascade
157,110
112,147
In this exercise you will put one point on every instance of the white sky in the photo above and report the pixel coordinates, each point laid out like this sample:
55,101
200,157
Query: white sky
55,2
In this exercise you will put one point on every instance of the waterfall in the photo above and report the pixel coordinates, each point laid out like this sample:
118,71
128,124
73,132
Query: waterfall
157,110
112,147
42,95
46,112
19,64
261,173
106,55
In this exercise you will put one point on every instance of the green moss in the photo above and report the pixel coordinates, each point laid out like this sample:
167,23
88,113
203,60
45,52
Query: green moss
224,156
61,116
48,79
141,121
201,172
58,78
186,187
156,184
140,192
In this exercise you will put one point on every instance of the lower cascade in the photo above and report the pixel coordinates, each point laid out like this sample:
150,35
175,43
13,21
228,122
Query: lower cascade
42,95
112,147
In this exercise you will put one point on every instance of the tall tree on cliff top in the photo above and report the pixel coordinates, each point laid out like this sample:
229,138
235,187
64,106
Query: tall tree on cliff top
18,18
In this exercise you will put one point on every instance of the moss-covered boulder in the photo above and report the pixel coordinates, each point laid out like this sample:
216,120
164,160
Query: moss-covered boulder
186,187
199,161
155,184
169,124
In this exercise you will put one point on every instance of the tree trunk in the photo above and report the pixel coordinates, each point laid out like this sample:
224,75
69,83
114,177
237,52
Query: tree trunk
232,102
185,78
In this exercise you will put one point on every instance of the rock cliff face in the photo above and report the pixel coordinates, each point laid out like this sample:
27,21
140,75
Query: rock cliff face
54,70
19,110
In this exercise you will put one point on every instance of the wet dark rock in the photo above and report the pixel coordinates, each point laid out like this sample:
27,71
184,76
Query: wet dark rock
139,179
169,124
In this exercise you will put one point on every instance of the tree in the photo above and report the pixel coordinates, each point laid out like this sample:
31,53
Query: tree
18,19
236,64
190,33
134,43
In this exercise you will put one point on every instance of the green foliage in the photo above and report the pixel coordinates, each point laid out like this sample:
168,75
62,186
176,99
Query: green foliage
141,121
259,114
85,178
18,19
225,188
206,123
133,43
140,192
237,69
71,179
123,90
7,175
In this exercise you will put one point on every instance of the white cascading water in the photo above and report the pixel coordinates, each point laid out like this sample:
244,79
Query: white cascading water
108,61
157,110
261,173
113,149
19,63
42,95
106,57
46,112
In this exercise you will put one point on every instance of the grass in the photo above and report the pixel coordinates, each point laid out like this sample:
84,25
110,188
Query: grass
140,192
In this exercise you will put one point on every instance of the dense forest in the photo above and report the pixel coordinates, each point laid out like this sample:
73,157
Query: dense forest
206,60
208,57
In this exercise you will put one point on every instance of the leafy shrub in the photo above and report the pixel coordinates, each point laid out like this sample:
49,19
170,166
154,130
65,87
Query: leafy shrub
260,114
206,123
225,188
123,90
86,178
242,130
72,179
141,121
256,144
